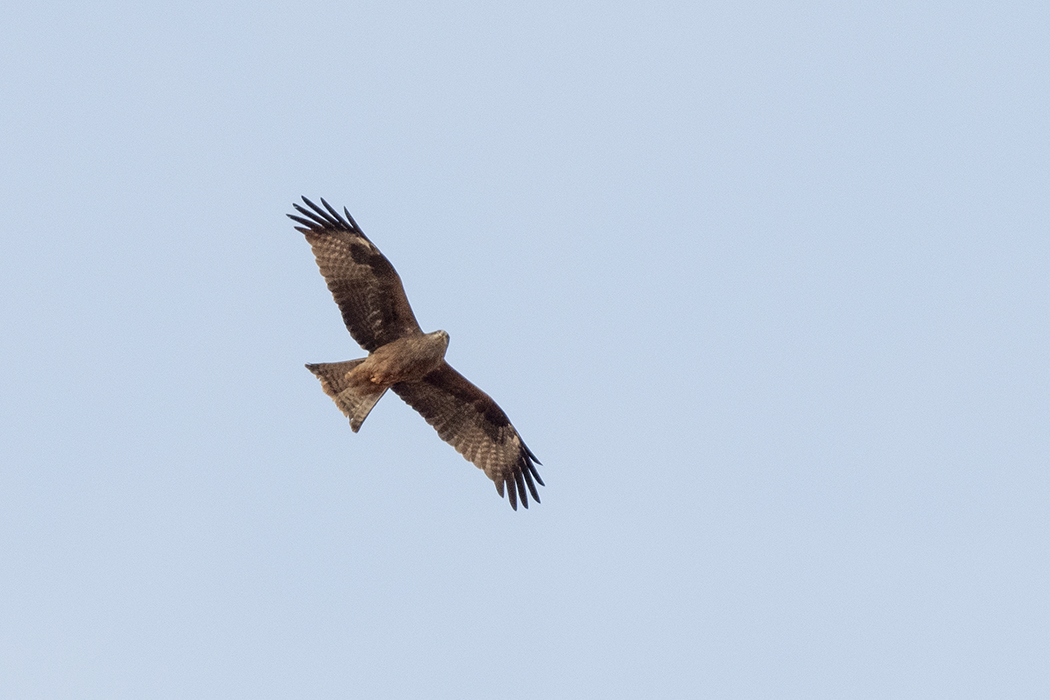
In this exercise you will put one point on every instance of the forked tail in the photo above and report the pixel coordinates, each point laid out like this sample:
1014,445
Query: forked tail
354,406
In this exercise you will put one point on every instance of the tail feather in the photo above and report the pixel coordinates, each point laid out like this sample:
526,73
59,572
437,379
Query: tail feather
354,406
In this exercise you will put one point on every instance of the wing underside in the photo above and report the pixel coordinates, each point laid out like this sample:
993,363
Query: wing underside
365,286
468,419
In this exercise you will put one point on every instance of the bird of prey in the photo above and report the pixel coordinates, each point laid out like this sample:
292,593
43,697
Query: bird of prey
402,357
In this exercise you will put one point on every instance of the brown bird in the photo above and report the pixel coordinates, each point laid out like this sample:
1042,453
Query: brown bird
402,357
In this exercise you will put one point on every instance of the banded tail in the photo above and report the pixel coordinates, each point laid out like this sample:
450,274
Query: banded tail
354,406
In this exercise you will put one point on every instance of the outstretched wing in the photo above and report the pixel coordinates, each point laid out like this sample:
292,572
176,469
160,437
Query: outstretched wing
468,419
365,285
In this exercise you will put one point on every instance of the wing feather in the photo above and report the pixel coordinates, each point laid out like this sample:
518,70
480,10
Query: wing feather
366,288
468,419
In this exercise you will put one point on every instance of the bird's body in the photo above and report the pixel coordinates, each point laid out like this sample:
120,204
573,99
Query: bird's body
406,359
401,357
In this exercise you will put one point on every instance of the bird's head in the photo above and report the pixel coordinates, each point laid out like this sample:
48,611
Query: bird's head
440,335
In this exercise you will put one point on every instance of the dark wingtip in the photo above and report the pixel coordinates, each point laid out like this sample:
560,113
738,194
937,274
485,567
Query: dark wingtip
519,480
318,219
336,215
522,482
528,463
527,473
512,494
351,219
306,225
530,454
535,474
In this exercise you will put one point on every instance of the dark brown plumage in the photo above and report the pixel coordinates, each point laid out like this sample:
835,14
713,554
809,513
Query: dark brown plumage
401,357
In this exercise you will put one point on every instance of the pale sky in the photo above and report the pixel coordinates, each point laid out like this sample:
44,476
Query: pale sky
765,286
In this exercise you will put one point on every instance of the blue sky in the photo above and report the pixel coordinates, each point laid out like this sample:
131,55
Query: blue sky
764,286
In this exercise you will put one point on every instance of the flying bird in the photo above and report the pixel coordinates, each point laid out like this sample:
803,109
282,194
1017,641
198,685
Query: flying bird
402,357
